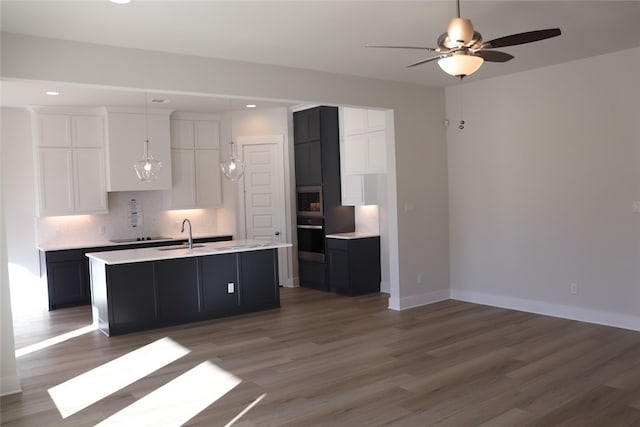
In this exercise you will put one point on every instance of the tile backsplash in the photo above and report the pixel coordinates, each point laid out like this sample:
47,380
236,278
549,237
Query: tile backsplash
131,214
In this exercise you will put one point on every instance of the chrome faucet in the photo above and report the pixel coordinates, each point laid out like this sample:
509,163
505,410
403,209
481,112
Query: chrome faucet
190,244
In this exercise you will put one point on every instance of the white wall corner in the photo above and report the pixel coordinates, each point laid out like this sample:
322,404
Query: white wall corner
10,385
418,300
562,311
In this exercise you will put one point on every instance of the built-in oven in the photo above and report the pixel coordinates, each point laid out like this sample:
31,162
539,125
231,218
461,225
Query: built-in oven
309,201
311,239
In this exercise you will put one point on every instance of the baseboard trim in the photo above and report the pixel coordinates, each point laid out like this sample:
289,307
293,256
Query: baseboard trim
10,385
405,303
562,311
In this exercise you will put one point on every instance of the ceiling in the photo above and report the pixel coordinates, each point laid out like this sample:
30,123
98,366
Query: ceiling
328,35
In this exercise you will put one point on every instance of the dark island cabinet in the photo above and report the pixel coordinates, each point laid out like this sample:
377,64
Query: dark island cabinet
177,290
146,295
132,297
67,270
219,282
354,265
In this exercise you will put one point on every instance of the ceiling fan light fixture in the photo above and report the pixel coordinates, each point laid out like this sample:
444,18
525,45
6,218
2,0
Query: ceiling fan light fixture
460,64
460,30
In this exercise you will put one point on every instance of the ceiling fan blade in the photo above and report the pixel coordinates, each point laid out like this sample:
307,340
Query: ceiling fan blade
403,47
521,38
494,56
424,61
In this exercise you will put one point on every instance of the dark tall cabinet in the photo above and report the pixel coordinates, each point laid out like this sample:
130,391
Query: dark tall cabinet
317,163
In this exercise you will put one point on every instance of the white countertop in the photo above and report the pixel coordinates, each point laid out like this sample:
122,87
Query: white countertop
352,235
61,246
127,256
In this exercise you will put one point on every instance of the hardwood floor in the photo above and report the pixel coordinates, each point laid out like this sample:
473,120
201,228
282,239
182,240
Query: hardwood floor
325,360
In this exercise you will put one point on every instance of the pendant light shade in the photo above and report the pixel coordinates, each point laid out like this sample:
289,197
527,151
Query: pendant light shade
147,168
233,168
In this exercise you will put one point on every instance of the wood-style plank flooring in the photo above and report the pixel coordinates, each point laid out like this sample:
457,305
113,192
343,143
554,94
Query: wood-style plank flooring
327,360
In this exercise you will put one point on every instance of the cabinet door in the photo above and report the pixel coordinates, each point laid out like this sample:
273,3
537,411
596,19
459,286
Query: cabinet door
207,134
217,272
259,280
90,190
183,194
67,283
56,181
54,130
306,125
356,151
377,152
207,178
177,290
87,131
308,163
312,275
131,296
182,133
338,263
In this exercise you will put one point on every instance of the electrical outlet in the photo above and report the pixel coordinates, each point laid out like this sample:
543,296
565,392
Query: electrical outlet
636,206
419,278
230,287
573,288
102,230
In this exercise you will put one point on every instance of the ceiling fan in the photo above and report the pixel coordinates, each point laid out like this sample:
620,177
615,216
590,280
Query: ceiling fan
461,51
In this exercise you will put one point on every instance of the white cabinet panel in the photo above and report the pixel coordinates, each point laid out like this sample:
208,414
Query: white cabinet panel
195,161
182,133
356,153
56,181
207,134
87,131
54,130
125,145
208,181
90,188
377,151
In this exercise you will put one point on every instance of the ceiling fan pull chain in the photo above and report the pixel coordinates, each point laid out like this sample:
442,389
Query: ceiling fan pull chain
461,122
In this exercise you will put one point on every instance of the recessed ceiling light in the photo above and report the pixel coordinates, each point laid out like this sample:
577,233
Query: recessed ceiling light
160,101
120,1
52,93
251,105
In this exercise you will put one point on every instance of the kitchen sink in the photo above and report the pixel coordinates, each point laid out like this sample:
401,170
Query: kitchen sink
178,247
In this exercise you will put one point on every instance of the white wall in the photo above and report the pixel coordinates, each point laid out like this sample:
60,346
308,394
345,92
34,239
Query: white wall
9,382
418,240
542,181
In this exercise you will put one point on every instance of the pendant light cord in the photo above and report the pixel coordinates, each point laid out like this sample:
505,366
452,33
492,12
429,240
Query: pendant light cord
146,125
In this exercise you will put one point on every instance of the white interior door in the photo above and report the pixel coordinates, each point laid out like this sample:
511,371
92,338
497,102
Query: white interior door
262,202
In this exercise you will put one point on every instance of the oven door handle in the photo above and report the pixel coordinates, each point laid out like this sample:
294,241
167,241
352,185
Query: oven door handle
310,227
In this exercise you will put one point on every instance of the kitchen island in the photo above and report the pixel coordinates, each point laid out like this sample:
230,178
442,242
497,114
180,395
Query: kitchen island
139,289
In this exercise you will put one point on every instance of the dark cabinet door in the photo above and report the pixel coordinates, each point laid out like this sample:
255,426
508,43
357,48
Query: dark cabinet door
131,296
68,283
312,274
259,280
177,289
308,163
306,125
338,265
218,272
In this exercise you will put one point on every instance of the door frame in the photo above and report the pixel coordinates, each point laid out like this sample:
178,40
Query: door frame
284,254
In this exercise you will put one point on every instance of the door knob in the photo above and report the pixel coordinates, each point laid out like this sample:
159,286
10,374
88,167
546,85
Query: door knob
277,233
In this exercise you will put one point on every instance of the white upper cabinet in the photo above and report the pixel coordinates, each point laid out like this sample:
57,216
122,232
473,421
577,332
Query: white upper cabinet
195,157
126,134
70,168
362,154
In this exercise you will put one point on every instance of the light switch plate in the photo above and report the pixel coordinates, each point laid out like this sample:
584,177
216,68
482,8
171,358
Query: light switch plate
636,206
230,287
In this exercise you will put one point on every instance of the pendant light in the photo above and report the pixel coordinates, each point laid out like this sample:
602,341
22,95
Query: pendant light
233,169
147,168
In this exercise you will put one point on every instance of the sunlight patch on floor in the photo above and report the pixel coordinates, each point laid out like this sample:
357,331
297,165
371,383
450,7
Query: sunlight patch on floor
245,410
55,340
179,400
82,391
